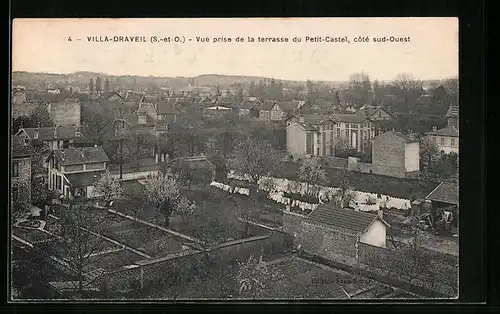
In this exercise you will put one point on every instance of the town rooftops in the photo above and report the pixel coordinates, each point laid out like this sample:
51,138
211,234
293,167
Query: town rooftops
166,106
83,179
20,148
445,192
368,111
328,214
82,155
348,118
47,133
447,131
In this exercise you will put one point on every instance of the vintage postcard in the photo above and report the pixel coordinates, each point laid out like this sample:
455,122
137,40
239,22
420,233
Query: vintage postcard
234,158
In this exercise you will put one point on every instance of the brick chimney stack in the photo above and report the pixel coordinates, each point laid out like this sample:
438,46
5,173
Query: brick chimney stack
55,131
434,128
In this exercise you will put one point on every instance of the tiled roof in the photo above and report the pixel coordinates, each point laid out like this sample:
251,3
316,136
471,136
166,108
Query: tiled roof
83,155
267,105
249,104
323,104
327,214
445,192
19,148
405,137
84,179
447,131
47,133
348,118
367,111
108,95
287,106
452,111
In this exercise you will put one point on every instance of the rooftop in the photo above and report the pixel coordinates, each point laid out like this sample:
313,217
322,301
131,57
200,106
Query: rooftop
47,133
82,155
445,192
328,214
83,179
407,138
447,131
348,118
19,148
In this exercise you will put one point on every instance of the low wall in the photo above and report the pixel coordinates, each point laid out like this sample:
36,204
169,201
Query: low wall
148,271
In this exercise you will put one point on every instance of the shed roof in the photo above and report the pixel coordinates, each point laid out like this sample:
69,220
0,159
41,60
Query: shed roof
328,214
447,131
445,192
83,179
81,155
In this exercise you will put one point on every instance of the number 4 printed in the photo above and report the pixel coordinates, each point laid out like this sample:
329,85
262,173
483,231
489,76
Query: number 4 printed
69,38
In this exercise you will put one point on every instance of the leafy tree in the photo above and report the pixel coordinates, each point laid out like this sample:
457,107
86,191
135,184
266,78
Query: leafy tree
446,167
20,202
162,192
312,172
41,116
109,188
343,149
95,122
360,88
429,152
345,193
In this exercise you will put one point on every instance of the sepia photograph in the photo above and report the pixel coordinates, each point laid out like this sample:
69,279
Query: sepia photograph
169,159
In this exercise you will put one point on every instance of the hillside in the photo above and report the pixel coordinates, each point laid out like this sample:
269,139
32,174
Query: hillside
82,78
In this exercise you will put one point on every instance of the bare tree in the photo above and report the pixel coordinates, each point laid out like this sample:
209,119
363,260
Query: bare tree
409,89
78,244
312,172
254,277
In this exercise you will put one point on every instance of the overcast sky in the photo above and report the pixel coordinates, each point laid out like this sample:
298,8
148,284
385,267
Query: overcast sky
41,45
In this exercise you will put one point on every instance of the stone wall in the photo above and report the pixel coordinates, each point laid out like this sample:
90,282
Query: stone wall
388,156
326,242
24,179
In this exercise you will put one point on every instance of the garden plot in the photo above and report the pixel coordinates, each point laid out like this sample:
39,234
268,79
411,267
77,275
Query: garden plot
32,235
301,279
149,240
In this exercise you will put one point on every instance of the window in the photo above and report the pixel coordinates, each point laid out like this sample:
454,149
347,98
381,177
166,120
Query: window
442,141
141,119
453,142
58,182
15,193
15,169
338,132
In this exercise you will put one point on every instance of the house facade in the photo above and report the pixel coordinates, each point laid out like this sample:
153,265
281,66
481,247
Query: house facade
310,135
74,171
395,154
447,139
281,110
357,130
21,155
249,108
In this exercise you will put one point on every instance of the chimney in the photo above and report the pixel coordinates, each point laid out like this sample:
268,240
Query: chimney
55,131
434,128
381,214
82,154
62,155
302,119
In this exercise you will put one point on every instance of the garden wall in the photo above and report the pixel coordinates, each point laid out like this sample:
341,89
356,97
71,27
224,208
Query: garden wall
224,254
